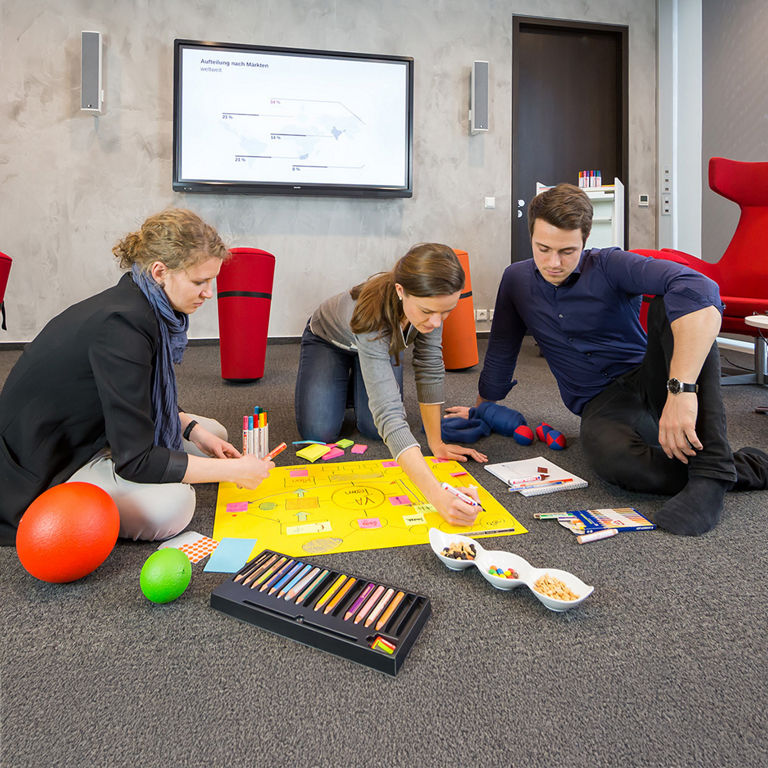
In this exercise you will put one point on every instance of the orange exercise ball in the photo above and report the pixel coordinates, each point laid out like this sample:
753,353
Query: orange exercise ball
67,532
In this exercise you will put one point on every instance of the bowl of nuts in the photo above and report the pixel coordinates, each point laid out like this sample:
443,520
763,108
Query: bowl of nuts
555,589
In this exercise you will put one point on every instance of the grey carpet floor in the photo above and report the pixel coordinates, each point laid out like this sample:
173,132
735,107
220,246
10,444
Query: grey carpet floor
664,665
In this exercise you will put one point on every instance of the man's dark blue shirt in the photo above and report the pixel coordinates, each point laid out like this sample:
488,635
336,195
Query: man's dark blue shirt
587,328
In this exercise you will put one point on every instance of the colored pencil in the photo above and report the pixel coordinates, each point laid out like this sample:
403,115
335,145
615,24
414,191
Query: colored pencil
372,600
374,614
312,587
247,574
293,591
339,595
268,572
286,577
390,610
277,575
329,593
295,580
359,601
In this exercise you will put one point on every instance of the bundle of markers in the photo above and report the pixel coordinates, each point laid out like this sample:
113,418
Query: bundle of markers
256,433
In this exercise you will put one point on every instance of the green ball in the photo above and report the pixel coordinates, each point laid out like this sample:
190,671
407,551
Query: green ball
165,575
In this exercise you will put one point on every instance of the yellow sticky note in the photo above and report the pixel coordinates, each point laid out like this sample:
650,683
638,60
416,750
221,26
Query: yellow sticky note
313,452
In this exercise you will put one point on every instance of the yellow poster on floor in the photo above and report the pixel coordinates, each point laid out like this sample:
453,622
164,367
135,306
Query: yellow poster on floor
315,509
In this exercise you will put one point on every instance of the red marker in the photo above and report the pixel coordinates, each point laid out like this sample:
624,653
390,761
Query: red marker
275,451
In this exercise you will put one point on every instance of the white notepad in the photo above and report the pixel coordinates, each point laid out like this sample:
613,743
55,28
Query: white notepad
553,478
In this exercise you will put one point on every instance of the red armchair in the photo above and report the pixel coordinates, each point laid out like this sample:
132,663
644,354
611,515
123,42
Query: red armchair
742,271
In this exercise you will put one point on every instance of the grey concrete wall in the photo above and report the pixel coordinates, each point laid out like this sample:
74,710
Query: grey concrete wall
72,183
734,104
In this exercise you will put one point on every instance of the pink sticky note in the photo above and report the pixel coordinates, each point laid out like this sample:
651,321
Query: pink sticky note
358,448
457,474
397,500
333,453
299,473
237,506
440,461
369,522
389,464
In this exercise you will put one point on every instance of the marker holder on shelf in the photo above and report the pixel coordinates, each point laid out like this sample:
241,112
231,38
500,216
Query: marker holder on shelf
326,631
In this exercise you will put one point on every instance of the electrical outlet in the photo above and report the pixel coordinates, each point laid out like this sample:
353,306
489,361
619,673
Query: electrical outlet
481,315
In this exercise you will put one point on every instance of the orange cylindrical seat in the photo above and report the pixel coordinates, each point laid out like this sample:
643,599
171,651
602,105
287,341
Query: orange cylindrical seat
459,336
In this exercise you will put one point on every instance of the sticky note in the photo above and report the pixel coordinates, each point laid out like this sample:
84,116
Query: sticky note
230,556
237,506
345,443
359,448
414,519
332,453
369,522
389,464
397,500
457,474
313,452
299,473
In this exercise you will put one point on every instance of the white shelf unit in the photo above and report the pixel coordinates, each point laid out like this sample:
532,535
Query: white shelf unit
608,221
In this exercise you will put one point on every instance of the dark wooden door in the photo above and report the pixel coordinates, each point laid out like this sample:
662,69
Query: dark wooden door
569,110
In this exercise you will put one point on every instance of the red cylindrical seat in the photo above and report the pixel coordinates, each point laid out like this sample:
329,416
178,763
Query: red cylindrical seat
459,336
5,268
244,295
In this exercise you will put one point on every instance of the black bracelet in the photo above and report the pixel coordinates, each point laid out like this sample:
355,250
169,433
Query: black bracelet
188,431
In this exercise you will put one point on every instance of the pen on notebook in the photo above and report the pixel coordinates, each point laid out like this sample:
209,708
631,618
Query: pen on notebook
522,480
459,495
275,451
542,484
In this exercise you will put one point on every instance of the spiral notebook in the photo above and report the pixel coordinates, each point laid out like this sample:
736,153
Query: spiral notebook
535,477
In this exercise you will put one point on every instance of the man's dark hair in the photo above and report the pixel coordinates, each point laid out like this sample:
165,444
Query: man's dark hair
565,207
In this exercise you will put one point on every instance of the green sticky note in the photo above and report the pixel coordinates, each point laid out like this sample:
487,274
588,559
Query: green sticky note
345,443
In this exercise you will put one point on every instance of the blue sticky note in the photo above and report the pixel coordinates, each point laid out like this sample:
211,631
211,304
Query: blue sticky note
230,556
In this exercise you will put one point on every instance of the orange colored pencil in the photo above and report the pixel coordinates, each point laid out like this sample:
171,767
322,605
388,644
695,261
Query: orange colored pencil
390,610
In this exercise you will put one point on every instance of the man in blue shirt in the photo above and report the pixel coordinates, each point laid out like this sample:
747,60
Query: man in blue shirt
652,413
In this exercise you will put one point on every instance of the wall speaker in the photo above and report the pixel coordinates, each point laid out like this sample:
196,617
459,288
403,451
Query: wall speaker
478,97
91,94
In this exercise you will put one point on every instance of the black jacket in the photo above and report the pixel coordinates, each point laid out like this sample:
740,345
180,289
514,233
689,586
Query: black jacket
82,384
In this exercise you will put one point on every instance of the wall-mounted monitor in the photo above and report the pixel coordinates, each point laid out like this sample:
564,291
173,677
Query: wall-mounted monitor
258,119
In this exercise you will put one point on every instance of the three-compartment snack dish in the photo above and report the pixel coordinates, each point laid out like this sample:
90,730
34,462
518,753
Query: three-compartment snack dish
556,589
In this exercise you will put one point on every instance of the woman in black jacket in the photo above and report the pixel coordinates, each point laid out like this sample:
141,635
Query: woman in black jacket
93,397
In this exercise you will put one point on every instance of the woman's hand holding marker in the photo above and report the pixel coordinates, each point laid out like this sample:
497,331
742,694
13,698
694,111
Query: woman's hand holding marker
458,506
249,470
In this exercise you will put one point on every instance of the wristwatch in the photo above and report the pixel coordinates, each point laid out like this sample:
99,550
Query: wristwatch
675,386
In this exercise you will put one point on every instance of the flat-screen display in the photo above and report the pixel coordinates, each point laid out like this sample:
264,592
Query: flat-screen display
258,119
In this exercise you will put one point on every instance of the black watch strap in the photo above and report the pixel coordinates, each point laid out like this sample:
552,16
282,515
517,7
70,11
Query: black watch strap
675,386
188,431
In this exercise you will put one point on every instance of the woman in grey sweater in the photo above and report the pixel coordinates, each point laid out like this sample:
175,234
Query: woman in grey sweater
352,345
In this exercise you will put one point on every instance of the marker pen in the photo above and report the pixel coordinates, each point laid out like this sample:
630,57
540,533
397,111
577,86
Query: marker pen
459,495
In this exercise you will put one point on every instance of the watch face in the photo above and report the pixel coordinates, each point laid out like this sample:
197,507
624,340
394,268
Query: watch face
674,386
